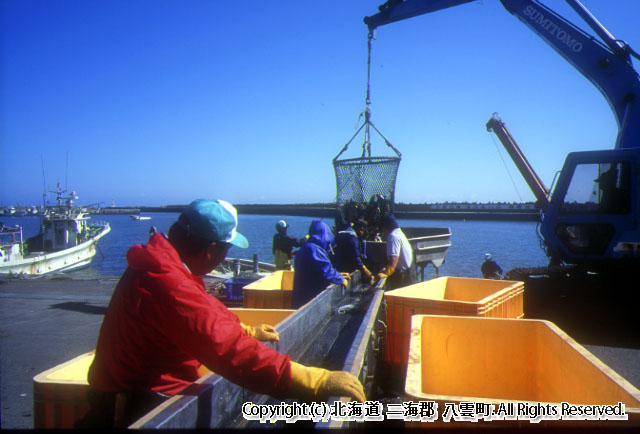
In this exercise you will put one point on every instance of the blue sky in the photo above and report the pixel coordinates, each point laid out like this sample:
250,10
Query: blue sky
160,102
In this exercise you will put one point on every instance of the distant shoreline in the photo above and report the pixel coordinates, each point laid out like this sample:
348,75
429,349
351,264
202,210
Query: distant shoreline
401,211
446,211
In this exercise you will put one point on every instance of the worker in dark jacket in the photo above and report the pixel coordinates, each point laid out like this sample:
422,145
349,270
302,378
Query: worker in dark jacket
282,247
161,326
490,268
313,269
348,256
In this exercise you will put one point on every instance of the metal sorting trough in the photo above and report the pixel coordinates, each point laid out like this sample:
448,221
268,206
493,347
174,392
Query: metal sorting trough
430,246
337,330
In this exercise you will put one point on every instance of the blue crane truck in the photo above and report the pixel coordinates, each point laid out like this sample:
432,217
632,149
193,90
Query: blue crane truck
591,218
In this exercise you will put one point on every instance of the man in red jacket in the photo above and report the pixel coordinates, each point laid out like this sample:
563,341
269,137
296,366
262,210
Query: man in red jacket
161,326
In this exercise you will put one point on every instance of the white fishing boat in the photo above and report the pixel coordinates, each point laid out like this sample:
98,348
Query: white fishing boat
66,241
139,217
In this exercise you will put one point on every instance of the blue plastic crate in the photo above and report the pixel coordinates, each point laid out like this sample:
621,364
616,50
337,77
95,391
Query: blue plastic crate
235,285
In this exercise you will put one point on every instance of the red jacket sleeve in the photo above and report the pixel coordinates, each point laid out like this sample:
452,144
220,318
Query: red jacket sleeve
205,329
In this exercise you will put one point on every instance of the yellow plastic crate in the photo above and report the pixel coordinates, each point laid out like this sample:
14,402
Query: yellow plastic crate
491,360
446,296
270,292
59,393
254,317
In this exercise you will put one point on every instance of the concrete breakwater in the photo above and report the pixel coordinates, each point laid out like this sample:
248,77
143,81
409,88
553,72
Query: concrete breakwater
401,211
117,211
329,210
491,215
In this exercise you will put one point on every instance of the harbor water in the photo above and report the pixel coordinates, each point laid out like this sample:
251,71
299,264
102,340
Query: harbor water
512,244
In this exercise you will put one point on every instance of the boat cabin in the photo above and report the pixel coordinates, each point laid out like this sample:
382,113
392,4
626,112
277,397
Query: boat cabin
62,230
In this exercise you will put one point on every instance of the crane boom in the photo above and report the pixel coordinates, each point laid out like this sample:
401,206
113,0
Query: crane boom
540,191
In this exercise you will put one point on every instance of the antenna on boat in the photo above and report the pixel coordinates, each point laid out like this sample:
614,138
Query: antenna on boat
66,173
44,184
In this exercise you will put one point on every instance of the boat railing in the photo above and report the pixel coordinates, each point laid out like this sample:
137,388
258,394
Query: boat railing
98,223
10,233
11,241
96,228
430,246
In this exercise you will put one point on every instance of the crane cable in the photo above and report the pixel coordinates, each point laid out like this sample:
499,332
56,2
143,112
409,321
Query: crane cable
366,145
369,39
493,139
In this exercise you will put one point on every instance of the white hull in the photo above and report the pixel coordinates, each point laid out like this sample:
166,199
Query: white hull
63,260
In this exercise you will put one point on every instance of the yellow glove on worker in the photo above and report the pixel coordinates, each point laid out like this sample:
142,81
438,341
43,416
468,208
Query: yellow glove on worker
347,278
317,384
366,274
386,273
262,332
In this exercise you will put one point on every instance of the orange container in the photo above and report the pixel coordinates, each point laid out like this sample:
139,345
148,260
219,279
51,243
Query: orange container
446,296
270,292
493,361
59,393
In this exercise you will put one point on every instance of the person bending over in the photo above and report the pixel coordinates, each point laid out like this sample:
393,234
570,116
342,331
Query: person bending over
490,268
313,268
348,257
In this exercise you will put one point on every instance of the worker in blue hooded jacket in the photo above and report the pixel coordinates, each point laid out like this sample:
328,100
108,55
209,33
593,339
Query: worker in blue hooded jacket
313,269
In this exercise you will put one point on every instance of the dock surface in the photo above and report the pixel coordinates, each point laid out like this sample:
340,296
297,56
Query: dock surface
45,322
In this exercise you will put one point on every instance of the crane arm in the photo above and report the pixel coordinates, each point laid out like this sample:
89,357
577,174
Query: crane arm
540,191
393,11
607,66
609,71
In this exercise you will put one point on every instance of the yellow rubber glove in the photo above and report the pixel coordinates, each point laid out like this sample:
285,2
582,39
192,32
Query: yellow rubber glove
346,279
262,332
366,274
317,384
386,273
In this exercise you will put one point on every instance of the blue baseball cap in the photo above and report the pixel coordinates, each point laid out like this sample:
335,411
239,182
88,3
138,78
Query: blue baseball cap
214,220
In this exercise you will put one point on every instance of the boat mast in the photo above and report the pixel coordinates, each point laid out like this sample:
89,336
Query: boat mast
44,186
